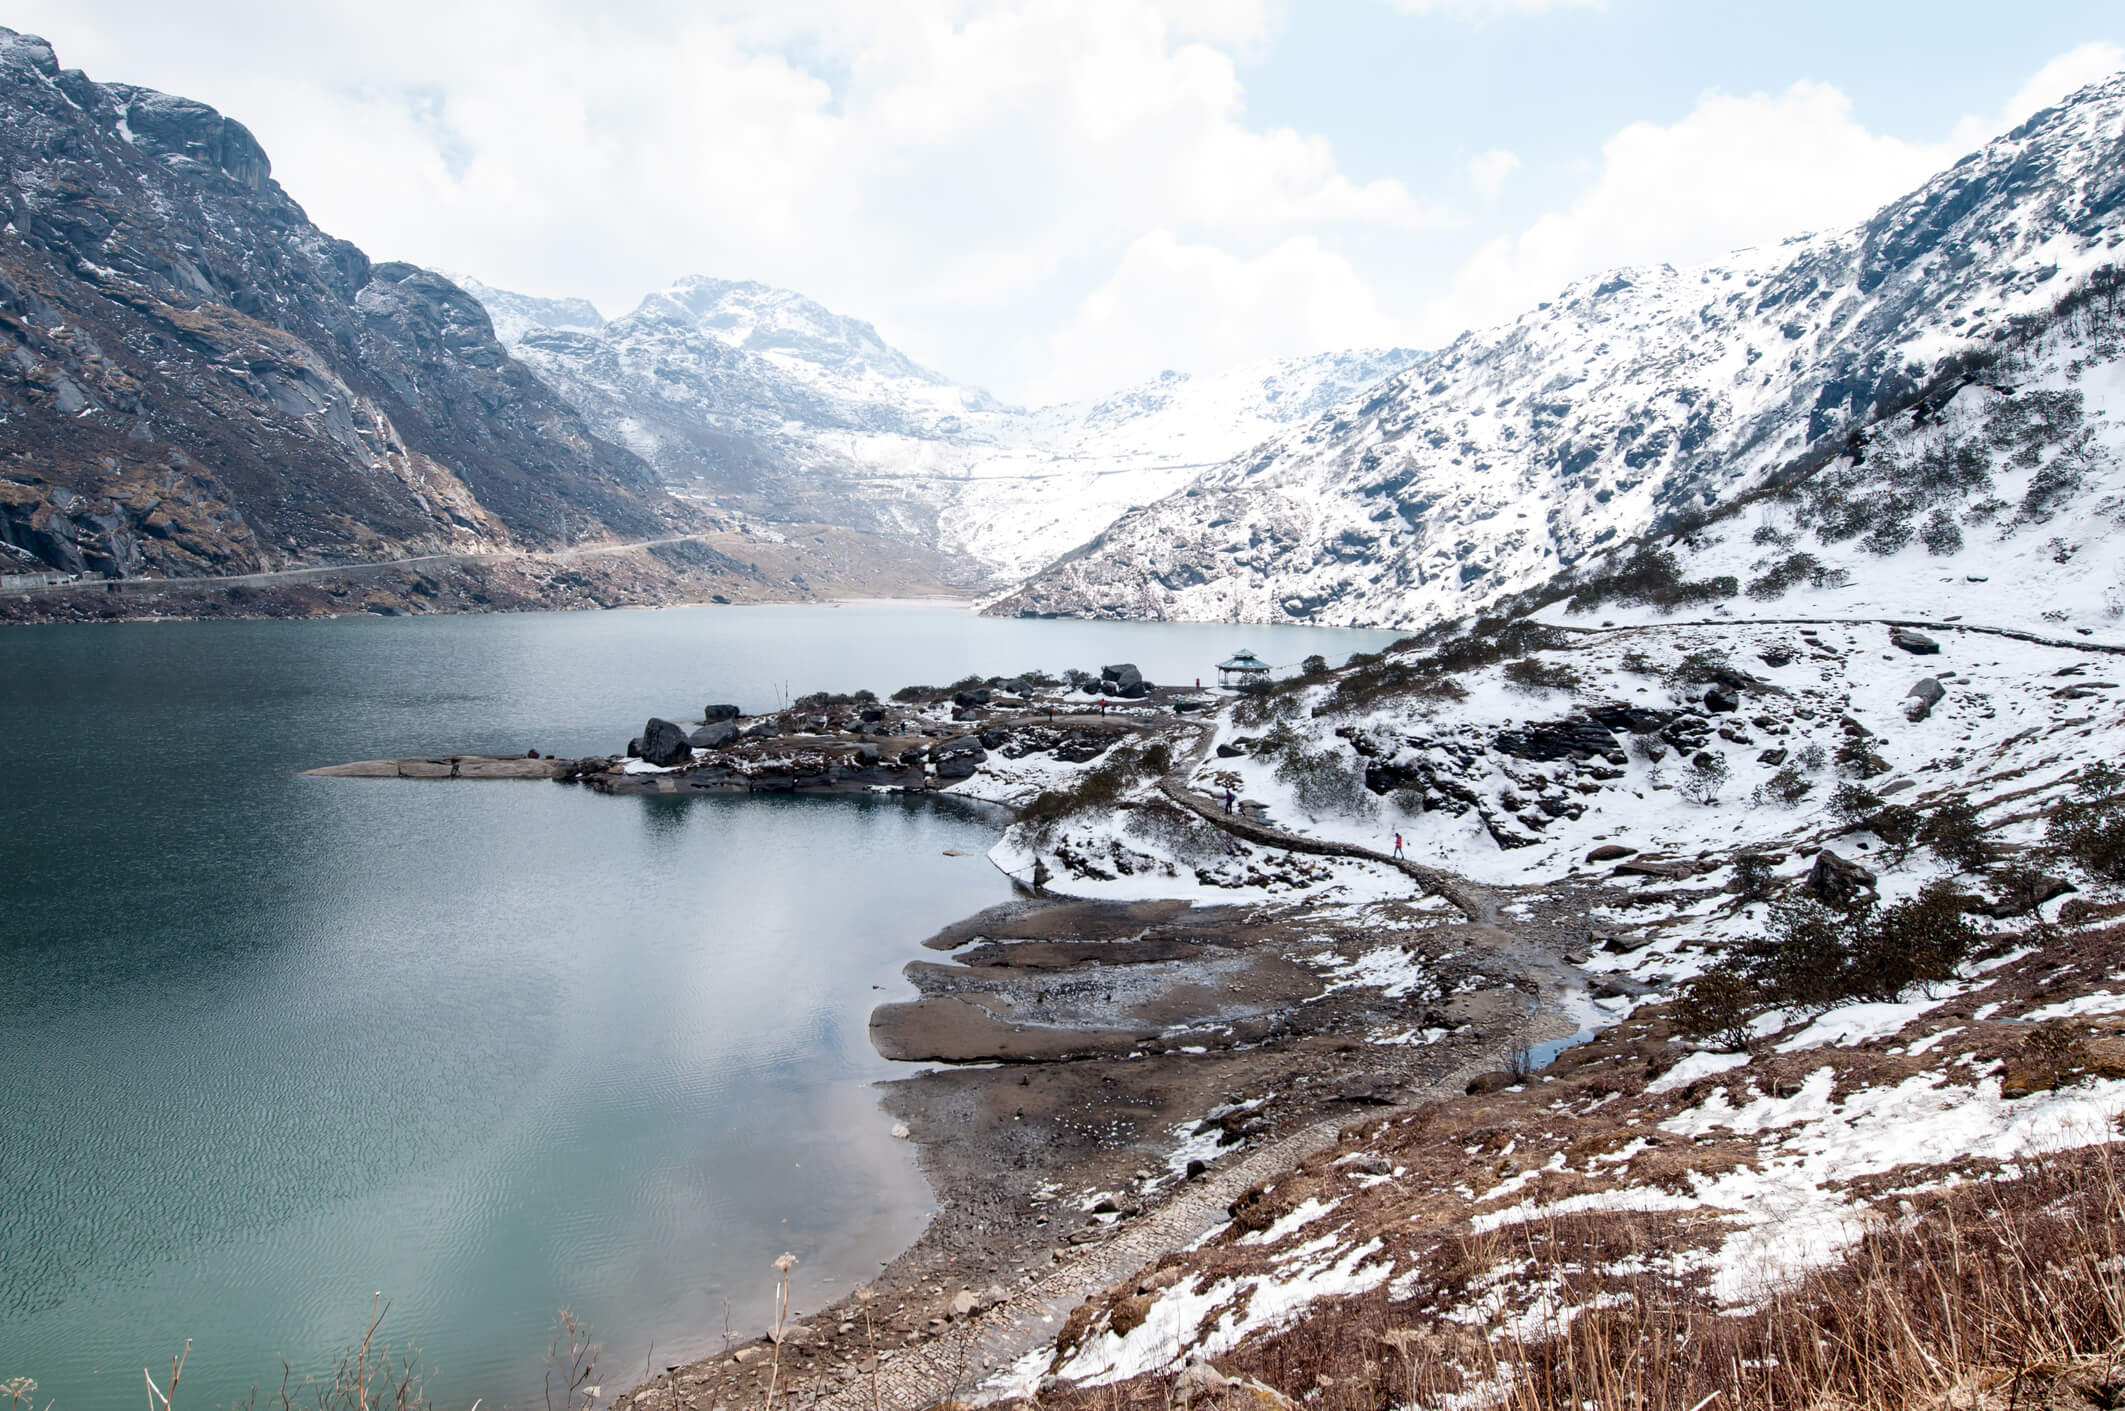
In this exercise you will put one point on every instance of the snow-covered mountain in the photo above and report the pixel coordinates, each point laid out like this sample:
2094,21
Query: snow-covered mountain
1642,394
740,390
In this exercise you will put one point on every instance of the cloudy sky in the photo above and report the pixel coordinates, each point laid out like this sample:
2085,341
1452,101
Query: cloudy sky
1055,197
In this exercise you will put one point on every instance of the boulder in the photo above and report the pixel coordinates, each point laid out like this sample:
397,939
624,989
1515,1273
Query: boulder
1923,698
968,700
1228,750
1609,852
993,739
1721,699
1020,687
1134,690
720,712
871,715
763,730
1123,675
2025,892
1837,880
1773,757
664,743
963,766
1778,655
714,735
1917,643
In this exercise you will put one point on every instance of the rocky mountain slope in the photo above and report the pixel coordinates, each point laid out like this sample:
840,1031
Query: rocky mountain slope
1643,394
767,400
195,379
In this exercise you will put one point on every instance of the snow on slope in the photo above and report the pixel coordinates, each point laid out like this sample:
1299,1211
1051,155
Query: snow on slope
739,388
1519,450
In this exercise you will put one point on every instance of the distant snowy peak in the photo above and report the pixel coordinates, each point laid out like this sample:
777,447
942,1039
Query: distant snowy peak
515,315
1278,392
1518,451
798,334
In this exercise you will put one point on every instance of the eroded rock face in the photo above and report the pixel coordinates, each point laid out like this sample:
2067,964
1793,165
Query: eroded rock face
196,379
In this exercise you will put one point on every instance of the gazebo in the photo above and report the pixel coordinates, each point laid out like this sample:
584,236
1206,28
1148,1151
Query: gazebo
1244,670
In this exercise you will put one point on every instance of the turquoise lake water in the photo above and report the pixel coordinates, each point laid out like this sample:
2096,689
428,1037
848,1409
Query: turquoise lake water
275,1045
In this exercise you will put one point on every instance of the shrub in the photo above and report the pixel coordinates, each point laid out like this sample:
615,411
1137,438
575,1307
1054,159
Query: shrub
1530,675
1716,1008
1956,835
1698,669
1812,757
1787,573
1638,663
1941,535
1080,680
1897,826
907,694
1098,787
1755,876
1812,957
1315,665
1705,777
2090,827
1853,804
1322,781
1787,786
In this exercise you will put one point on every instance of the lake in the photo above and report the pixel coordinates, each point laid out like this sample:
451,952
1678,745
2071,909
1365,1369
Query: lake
274,1046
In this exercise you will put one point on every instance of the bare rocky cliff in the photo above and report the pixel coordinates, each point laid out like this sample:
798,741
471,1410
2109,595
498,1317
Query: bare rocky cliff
195,379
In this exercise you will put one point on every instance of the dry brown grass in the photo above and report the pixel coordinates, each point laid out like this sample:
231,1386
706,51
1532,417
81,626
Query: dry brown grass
1995,1295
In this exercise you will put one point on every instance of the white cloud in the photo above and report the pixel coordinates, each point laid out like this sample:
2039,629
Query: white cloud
925,164
1487,171
1171,304
1735,171
1491,8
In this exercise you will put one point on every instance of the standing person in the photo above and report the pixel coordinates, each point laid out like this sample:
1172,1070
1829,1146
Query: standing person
1398,845
1102,705
1228,798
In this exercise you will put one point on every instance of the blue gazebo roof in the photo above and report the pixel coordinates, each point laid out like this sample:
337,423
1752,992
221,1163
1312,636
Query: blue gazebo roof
1244,661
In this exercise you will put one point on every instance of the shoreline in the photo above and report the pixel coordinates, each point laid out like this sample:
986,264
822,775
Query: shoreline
1091,1081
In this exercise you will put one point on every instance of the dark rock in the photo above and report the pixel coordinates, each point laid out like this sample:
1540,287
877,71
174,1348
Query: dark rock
1123,675
1779,655
1773,757
664,743
1609,852
993,739
968,700
634,748
1923,698
1228,750
871,715
1720,699
2027,892
1369,1089
1489,1083
720,712
1196,1167
714,736
1917,643
1839,881
763,730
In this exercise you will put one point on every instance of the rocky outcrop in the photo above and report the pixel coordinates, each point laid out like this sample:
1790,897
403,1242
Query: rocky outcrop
197,380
